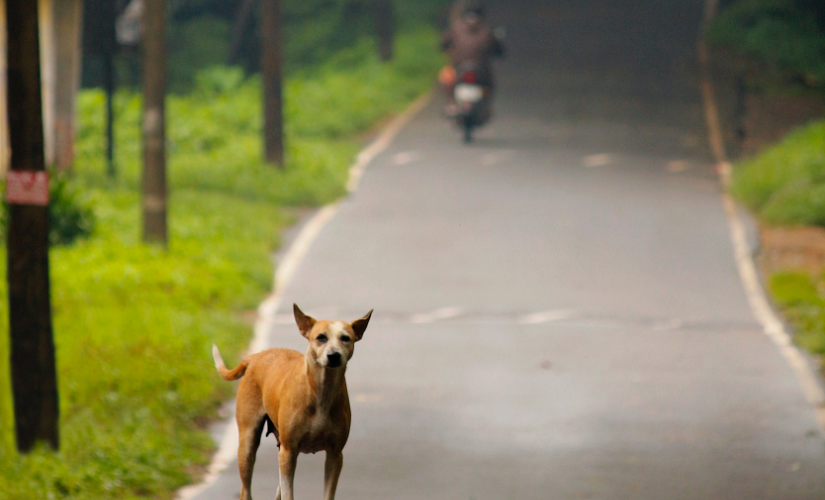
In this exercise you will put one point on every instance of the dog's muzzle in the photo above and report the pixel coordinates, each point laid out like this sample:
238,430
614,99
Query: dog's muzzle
334,359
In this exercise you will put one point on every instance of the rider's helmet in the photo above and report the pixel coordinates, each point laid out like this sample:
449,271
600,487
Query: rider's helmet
473,8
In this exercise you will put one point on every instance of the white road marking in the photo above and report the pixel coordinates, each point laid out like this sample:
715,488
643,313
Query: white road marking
758,301
489,159
431,317
677,166
599,160
405,157
671,324
545,317
228,447
367,398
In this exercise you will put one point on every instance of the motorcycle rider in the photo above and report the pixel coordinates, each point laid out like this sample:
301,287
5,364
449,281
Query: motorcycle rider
468,39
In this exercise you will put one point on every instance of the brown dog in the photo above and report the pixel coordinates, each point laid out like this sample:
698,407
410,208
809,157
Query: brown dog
301,397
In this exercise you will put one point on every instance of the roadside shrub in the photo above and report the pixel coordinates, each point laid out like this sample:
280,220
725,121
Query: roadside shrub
786,183
70,213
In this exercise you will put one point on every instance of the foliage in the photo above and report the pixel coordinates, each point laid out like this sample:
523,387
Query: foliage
801,299
196,44
133,324
70,212
199,33
325,106
784,34
786,183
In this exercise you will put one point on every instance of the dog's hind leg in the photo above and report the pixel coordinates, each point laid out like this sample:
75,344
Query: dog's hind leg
332,470
249,439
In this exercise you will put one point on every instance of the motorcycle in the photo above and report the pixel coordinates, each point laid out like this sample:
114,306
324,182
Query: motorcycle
472,94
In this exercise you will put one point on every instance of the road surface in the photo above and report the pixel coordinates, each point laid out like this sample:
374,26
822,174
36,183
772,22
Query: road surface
558,313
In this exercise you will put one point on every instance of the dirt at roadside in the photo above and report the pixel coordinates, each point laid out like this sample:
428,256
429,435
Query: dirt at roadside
792,249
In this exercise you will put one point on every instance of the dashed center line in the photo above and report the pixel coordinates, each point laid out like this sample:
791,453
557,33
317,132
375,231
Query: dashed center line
405,157
599,160
545,317
431,317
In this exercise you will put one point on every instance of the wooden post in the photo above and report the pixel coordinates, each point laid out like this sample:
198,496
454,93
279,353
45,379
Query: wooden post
154,133
384,28
34,378
271,63
68,19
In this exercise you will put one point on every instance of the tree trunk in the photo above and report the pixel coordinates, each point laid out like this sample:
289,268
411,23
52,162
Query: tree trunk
154,133
238,30
384,28
271,63
68,15
34,379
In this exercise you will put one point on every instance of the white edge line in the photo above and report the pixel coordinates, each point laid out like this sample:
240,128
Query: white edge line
285,270
772,325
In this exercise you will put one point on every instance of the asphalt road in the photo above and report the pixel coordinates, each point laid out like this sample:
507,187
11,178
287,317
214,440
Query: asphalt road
558,314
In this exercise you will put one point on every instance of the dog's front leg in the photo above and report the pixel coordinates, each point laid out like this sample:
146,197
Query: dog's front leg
287,460
332,470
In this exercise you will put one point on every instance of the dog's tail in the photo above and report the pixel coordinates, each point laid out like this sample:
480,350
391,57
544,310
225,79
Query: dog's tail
227,374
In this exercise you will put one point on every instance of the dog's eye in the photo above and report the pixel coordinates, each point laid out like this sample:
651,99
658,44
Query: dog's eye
345,339
321,338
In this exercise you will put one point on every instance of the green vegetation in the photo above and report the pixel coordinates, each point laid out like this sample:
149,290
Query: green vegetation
785,184
788,36
134,324
802,301
314,32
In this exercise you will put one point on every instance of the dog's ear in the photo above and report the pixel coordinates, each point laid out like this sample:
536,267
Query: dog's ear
305,323
359,326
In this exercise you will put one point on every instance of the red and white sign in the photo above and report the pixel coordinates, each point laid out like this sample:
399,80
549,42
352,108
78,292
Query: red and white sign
25,187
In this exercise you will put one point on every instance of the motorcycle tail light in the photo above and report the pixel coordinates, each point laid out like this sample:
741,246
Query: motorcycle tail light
470,77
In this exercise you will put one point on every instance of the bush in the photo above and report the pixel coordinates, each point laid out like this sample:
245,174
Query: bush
786,183
70,213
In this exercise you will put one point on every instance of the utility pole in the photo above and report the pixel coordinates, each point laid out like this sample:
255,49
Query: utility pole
154,133
34,378
384,28
271,63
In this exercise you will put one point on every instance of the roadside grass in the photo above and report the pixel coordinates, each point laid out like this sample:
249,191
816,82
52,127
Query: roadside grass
801,298
134,324
785,186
